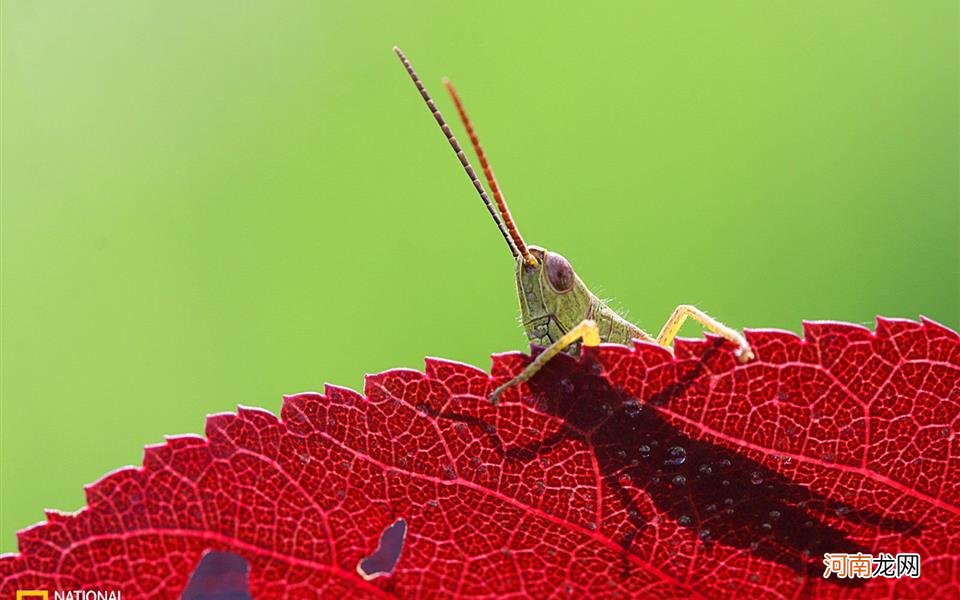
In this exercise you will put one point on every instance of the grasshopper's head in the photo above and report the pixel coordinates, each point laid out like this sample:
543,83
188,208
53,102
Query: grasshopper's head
552,298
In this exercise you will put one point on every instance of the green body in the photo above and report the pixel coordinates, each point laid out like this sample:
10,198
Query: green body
549,311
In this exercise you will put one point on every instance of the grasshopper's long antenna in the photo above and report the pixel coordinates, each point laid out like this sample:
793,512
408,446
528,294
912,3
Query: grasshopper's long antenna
458,150
488,173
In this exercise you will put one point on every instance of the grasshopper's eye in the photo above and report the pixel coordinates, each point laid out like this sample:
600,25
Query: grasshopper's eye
559,273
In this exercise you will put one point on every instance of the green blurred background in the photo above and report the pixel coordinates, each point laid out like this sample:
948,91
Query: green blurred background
213,203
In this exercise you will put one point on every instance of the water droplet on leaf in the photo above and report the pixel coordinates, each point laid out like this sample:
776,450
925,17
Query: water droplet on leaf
676,456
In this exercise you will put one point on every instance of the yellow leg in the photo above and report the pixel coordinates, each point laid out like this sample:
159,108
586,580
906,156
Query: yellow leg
680,314
586,330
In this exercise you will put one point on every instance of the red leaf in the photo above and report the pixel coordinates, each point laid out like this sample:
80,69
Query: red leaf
626,472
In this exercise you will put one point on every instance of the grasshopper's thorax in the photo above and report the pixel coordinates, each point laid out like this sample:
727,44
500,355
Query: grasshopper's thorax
553,299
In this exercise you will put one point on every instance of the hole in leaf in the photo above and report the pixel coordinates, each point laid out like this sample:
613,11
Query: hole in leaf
218,576
385,557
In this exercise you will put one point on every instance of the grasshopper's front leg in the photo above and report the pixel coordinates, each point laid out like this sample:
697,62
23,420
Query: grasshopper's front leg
586,331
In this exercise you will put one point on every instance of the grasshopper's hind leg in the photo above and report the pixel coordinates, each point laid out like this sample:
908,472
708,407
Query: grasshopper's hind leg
680,314
586,331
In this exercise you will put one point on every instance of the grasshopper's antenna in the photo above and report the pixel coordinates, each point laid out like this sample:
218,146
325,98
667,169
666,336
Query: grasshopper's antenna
458,150
488,173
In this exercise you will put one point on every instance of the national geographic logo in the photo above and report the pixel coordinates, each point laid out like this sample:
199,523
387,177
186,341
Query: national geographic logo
69,595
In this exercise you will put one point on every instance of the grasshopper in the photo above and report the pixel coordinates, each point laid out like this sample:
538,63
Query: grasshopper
558,311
